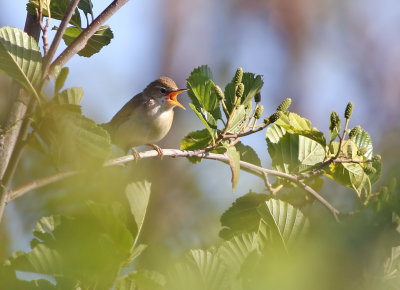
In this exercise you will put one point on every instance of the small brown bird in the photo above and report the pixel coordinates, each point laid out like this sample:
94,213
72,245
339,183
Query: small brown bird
147,117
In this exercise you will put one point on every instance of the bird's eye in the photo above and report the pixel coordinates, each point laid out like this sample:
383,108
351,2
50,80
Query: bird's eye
163,90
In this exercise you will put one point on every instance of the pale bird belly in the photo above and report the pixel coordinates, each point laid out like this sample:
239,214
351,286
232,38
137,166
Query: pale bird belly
139,131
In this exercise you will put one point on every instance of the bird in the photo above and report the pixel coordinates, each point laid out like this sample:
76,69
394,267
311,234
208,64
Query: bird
147,117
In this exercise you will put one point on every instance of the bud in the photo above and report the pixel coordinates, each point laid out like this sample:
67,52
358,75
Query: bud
362,151
369,169
335,119
376,158
238,76
219,92
354,132
349,110
284,105
267,120
240,90
258,112
275,116
257,98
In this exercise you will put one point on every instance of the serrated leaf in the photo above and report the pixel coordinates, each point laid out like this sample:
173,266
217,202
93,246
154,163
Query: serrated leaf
248,154
60,78
238,121
210,123
71,96
138,194
363,140
201,92
236,250
194,141
310,152
234,164
285,222
252,85
20,58
57,10
101,38
242,216
82,144
203,70
141,279
201,270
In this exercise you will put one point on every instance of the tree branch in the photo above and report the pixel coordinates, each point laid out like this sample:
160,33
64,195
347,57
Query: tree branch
60,32
15,119
80,42
260,171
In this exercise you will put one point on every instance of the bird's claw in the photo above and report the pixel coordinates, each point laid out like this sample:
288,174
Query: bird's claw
135,154
158,149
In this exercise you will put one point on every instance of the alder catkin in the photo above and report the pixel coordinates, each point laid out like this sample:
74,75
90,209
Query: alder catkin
238,76
284,105
349,110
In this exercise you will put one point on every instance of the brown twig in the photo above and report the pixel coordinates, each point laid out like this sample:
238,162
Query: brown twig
57,38
80,42
260,171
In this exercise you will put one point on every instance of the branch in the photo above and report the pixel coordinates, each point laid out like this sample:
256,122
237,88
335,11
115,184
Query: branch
260,171
15,119
60,32
80,42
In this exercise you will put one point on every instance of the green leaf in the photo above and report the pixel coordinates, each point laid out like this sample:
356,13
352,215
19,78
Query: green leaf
233,252
234,164
138,194
285,222
86,6
209,122
71,96
201,92
20,58
238,121
141,279
248,154
60,77
200,270
310,152
194,141
203,70
363,140
242,216
252,86
74,139
57,9
100,39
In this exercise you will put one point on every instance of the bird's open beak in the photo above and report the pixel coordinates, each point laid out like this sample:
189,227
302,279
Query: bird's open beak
171,98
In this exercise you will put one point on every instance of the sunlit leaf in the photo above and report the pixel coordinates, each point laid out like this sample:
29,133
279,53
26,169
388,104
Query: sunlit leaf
209,122
252,85
194,141
60,75
286,222
138,194
71,96
234,164
20,58
363,140
248,154
101,38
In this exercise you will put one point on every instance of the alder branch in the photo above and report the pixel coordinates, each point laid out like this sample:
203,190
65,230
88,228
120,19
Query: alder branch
260,171
80,42
57,38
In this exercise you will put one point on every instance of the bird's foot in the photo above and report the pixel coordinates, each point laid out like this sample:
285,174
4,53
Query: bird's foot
135,154
158,149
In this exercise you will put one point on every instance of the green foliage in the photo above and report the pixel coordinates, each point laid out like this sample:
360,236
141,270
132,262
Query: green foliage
20,59
71,96
83,144
234,164
95,43
60,75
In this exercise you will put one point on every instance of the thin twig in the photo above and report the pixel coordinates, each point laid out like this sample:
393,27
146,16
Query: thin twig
260,171
80,42
59,34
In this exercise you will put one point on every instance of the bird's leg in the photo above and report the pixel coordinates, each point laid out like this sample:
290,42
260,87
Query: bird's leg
158,149
135,154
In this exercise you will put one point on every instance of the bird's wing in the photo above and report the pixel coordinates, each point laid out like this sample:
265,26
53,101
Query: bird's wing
126,111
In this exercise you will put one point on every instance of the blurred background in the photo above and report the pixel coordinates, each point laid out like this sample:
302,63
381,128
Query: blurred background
322,54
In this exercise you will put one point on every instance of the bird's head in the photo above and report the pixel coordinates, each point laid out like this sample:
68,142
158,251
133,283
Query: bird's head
164,91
